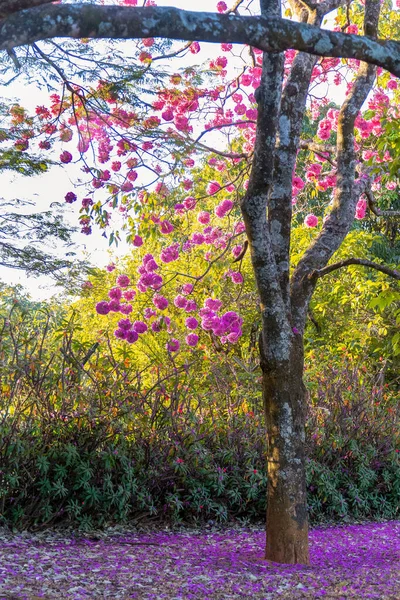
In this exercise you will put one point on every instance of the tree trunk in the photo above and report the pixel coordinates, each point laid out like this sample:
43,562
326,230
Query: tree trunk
284,402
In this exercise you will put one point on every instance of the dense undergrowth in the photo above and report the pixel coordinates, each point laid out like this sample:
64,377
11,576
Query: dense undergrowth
88,439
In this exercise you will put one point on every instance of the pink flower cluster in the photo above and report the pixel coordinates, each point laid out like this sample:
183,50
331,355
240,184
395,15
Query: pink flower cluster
364,127
329,123
148,277
70,197
117,297
211,235
170,254
313,171
297,185
160,302
104,307
361,209
203,217
223,208
130,331
187,288
148,313
191,323
190,203
166,227
185,304
65,157
179,208
324,129
236,277
192,339
213,187
123,281
173,345
311,221
228,327
137,241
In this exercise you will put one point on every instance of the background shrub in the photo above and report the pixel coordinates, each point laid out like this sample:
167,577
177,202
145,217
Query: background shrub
88,438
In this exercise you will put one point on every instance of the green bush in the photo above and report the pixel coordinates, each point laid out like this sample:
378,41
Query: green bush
198,466
88,440
353,442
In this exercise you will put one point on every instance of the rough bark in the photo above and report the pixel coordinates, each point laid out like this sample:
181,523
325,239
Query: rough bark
283,389
284,404
272,34
8,7
276,324
281,352
291,116
375,209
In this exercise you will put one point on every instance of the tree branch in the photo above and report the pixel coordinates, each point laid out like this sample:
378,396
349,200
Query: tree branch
9,7
328,6
55,67
254,204
323,150
348,189
272,34
375,209
314,321
293,105
354,261
242,253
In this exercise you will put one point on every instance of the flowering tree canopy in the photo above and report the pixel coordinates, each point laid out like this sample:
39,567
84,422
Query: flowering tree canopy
217,157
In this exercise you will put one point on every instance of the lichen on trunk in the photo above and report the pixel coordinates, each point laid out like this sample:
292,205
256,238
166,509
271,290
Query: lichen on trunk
284,405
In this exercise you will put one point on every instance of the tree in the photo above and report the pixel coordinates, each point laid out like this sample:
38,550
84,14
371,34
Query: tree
25,236
25,239
280,101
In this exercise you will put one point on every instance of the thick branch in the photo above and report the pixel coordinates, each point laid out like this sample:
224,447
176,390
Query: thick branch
8,7
291,117
254,204
323,150
328,6
348,189
116,22
354,261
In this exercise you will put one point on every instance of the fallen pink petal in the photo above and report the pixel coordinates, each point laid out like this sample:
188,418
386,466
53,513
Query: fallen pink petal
354,561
